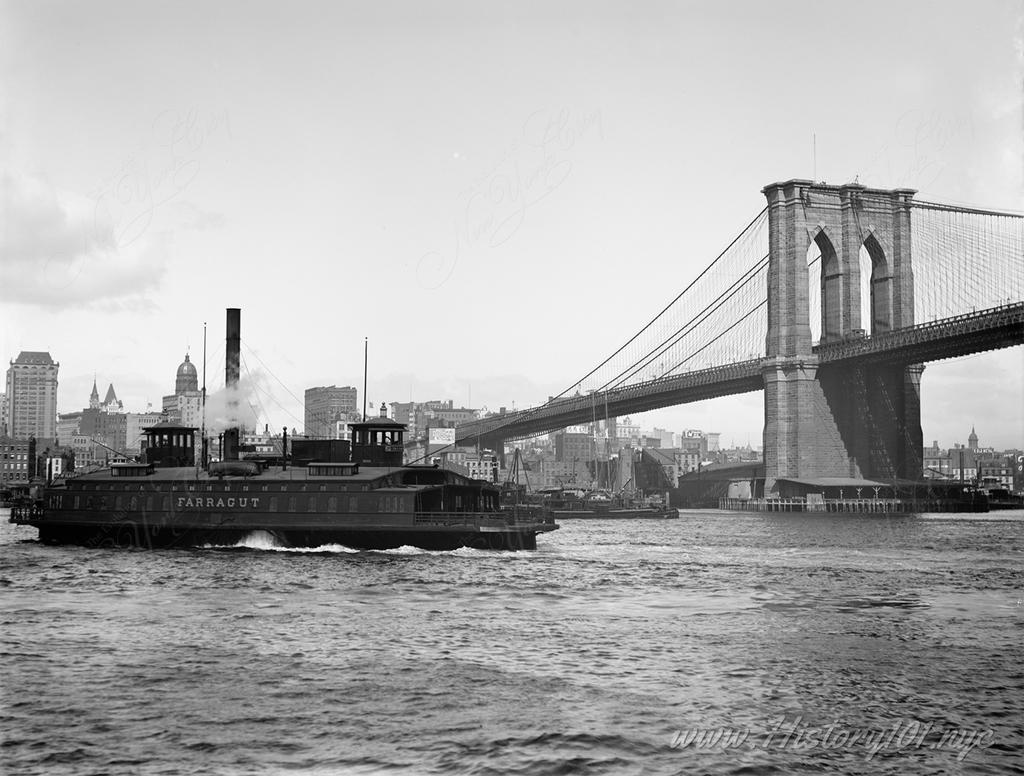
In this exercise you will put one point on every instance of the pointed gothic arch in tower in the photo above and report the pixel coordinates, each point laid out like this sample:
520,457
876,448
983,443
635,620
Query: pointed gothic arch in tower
821,422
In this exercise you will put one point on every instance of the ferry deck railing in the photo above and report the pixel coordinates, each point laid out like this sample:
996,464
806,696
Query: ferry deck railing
21,514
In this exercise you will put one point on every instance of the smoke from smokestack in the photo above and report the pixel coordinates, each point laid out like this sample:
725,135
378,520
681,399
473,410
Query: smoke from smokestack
232,407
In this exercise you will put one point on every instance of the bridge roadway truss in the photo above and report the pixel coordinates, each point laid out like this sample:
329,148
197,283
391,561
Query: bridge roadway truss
999,327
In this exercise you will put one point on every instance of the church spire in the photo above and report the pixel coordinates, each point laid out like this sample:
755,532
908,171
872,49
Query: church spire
94,397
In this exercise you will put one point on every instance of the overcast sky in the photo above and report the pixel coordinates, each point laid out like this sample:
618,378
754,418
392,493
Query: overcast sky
348,170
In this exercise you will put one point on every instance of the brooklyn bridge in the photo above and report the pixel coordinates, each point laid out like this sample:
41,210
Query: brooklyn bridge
831,300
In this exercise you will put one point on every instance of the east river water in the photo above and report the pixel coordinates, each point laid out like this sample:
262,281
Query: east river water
717,643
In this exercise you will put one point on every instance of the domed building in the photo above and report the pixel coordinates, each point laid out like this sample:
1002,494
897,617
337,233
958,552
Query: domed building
187,378
184,406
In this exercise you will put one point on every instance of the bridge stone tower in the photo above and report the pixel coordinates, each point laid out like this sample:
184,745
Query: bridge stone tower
839,420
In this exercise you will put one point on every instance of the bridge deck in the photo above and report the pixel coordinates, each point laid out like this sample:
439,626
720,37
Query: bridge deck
990,329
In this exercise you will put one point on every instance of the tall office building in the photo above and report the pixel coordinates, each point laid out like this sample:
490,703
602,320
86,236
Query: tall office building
32,396
325,406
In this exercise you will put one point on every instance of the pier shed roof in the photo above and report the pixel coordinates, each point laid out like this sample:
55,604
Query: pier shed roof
835,482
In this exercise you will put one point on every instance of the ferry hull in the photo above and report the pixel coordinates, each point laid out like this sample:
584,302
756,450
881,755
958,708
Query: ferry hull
140,535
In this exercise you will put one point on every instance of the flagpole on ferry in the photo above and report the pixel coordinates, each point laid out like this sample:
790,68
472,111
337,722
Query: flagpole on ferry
366,361
202,433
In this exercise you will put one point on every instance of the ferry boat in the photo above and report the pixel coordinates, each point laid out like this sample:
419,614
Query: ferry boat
370,501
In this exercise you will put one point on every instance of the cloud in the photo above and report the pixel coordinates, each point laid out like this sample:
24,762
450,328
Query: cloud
57,250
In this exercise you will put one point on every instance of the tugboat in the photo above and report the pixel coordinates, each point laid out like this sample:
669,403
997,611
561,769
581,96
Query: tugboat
562,504
370,501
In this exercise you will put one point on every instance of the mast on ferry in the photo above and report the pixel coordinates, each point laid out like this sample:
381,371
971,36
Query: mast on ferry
203,460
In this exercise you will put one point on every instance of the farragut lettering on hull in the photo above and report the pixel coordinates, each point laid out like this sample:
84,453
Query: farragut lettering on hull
217,503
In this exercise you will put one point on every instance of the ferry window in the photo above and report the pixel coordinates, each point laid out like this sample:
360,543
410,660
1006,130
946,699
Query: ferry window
332,503
209,488
273,503
284,488
165,503
312,504
323,488
291,503
149,503
245,488
133,503
265,488
76,502
353,503
118,503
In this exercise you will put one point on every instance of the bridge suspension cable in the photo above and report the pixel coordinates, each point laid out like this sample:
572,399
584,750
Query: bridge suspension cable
708,323
964,259
750,280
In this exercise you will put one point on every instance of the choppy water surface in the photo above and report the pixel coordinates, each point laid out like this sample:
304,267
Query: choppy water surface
717,643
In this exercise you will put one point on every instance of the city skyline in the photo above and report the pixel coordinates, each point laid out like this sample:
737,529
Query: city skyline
645,430
514,221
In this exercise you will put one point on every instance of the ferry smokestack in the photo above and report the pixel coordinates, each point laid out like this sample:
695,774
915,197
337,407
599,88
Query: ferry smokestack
232,354
233,347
